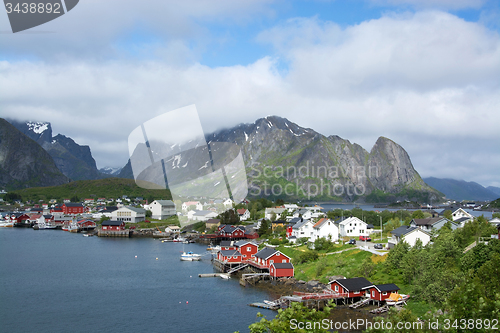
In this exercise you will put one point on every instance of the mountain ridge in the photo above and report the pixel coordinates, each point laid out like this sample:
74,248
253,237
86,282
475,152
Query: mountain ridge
461,189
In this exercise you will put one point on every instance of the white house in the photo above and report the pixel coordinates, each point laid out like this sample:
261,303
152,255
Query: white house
203,215
303,229
187,204
162,209
244,214
495,221
269,212
459,213
325,228
304,213
228,203
408,235
129,214
352,227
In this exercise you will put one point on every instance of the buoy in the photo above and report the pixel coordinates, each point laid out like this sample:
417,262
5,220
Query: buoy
187,302
156,258
136,256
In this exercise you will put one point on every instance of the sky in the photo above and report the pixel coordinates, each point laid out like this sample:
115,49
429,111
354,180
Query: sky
424,73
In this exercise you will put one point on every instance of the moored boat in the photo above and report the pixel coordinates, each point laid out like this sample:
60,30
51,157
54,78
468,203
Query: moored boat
6,224
397,299
190,256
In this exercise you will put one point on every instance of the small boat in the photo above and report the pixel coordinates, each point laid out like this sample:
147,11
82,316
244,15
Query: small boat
225,276
397,299
179,240
190,256
88,235
42,225
6,224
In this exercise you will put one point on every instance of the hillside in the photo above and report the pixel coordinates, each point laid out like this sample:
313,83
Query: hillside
23,162
461,190
100,188
384,174
73,160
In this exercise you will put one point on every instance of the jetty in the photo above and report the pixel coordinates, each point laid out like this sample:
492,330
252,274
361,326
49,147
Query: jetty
360,303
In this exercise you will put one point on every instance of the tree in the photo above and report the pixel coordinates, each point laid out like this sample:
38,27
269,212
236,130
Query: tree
497,215
149,213
229,217
264,227
296,318
418,214
448,215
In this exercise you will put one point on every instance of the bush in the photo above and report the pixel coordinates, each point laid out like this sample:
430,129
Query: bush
307,255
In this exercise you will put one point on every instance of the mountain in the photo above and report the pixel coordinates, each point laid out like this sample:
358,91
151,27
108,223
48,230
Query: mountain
333,168
23,163
494,189
284,160
110,171
73,160
461,190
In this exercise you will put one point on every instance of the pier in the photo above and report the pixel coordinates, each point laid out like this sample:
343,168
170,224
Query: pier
113,233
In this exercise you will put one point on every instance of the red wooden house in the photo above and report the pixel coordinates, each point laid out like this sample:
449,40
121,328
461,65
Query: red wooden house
231,231
246,248
267,256
20,219
281,269
355,287
381,292
113,225
72,208
86,225
229,256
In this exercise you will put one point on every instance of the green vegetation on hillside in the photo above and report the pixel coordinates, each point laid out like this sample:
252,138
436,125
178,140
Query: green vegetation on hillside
101,188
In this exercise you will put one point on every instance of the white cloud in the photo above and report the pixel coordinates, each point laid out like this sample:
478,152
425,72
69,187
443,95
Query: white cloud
429,81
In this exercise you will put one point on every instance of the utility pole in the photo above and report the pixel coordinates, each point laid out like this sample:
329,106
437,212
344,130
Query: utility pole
381,230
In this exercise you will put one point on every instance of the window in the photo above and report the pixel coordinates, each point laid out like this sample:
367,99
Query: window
283,261
249,248
373,293
336,288
384,293
271,261
357,292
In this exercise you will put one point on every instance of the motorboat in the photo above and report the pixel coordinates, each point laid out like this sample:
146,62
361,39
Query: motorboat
190,256
225,276
6,224
397,299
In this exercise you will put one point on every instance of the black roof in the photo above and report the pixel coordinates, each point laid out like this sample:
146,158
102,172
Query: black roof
112,223
73,204
265,253
226,243
230,253
279,222
402,230
282,265
354,284
386,287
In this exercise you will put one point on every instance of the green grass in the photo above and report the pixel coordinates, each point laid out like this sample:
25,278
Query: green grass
101,188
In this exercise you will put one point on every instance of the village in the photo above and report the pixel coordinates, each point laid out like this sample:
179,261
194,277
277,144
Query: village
266,249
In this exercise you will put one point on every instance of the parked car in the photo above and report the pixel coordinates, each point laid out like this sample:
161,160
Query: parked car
365,238
378,246
352,241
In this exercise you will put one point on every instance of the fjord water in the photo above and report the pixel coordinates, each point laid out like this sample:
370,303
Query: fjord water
55,281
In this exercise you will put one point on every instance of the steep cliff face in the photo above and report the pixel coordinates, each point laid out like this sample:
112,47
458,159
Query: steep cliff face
72,159
23,162
280,154
285,160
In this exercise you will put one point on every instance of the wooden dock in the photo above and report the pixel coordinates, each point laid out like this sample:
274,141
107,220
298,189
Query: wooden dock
209,275
121,233
264,306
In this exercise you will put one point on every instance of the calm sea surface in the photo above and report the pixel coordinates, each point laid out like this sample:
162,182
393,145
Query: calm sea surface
56,281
